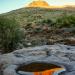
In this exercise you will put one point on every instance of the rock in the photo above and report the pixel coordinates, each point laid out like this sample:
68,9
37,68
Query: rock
25,73
10,70
39,3
70,41
29,44
59,54
69,73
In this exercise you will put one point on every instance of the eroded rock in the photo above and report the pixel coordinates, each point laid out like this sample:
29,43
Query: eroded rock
62,55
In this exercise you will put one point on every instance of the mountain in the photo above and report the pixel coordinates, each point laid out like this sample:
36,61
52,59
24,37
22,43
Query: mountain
39,3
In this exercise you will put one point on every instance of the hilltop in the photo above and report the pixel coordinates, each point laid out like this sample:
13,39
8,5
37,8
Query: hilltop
33,15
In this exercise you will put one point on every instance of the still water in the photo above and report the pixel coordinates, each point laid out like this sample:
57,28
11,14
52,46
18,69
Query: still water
40,69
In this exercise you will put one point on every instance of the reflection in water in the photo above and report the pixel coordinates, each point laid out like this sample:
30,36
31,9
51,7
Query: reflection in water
41,68
48,72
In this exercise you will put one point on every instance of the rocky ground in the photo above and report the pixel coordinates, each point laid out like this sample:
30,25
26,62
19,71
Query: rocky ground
62,55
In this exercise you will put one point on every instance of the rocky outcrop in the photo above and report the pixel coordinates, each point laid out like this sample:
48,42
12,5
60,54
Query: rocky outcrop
58,54
39,3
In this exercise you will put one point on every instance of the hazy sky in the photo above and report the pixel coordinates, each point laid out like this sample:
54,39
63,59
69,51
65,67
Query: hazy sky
8,5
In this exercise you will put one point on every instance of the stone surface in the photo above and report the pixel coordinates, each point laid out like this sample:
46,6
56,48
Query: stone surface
58,54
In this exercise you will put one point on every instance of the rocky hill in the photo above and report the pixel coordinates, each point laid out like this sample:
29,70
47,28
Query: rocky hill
34,15
43,26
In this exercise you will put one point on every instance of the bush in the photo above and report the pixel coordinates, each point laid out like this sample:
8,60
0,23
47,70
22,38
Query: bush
65,21
38,30
48,22
10,34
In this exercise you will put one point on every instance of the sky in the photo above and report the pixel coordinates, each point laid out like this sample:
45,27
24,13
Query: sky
8,5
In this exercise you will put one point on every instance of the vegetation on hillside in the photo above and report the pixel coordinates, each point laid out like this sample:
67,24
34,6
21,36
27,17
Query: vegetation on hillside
66,21
24,16
35,26
10,34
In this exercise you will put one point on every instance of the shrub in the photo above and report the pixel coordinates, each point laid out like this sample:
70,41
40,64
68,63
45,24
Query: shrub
48,22
10,34
37,30
65,21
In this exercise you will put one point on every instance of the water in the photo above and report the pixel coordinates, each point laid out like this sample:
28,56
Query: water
40,69
54,71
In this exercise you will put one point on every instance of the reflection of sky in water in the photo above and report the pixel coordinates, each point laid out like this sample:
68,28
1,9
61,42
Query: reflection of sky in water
56,73
31,73
8,5
51,72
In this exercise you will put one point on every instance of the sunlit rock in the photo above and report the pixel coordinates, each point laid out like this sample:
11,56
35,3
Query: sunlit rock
39,3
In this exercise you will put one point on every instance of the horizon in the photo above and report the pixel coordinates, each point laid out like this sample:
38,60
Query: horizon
7,5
